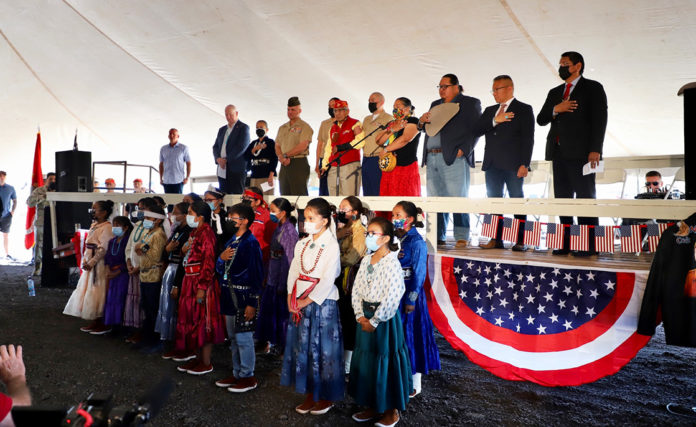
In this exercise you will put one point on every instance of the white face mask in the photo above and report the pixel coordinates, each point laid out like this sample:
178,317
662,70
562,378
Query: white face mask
312,227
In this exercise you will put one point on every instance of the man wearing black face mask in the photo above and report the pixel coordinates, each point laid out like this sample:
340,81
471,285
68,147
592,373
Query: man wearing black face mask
38,199
322,138
262,158
371,173
577,111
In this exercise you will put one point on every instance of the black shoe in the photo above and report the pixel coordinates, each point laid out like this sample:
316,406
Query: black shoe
519,247
441,243
560,252
583,254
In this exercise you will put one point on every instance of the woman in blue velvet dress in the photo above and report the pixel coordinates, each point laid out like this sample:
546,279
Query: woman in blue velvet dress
418,328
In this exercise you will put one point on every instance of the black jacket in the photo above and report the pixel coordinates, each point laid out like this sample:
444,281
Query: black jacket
509,144
664,291
577,134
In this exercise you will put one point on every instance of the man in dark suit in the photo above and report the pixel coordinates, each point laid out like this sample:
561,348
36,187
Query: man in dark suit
577,111
449,154
509,129
231,143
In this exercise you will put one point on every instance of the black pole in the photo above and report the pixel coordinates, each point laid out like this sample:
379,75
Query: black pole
689,93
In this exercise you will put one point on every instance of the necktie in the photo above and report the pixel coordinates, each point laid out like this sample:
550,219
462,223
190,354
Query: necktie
501,109
566,94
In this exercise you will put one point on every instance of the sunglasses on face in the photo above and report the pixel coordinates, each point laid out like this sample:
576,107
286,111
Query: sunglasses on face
653,183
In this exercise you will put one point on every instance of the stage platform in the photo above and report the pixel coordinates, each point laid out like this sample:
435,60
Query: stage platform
615,261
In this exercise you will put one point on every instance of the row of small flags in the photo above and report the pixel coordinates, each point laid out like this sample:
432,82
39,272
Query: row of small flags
631,240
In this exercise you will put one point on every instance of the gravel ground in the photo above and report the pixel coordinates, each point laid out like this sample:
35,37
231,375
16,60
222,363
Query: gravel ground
64,365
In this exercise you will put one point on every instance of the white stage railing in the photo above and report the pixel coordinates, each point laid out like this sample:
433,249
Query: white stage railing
655,209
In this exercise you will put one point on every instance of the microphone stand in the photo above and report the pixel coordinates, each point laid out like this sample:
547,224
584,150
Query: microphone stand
337,160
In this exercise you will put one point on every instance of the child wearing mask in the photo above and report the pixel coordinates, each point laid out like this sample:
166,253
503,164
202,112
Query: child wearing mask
87,300
240,273
262,158
313,358
418,328
172,278
351,238
117,274
199,324
214,199
133,314
149,250
273,310
262,228
380,372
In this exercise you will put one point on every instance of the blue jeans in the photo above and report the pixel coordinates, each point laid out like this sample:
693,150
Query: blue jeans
242,348
449,181
496,181
173,188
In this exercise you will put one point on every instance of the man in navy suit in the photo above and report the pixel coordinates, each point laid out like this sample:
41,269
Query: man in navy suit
231,143
577,111
449,154
509,129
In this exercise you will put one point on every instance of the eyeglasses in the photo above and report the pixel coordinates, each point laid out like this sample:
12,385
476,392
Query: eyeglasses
499,88
444,86
653,183
372,233
233,218
209,200
340,109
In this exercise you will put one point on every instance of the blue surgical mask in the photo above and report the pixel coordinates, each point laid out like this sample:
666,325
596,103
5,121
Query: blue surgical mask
274,218
148,223
118,231
211,205
399,223
371,243
191,221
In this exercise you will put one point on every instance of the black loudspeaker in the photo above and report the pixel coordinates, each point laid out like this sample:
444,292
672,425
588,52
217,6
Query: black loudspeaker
73,174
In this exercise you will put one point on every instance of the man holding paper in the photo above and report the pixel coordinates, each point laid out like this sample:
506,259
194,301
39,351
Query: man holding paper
577,112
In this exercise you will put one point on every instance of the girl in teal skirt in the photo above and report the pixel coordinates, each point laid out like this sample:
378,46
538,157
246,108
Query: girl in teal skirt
380,372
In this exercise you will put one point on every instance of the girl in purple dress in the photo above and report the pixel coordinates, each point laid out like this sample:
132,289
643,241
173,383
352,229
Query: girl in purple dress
273,311
117,273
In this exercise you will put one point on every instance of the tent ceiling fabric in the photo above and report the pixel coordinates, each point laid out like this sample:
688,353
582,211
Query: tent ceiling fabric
124,72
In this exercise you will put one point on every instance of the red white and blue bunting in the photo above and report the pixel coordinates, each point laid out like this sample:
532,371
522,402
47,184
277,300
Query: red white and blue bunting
549,324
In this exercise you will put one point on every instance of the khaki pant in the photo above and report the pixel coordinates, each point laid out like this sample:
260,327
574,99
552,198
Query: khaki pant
349,181
256,182
38,249
293,178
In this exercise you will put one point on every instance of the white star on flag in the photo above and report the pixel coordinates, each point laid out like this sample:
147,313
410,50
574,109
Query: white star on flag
530,320
541,309
568,277
530,299
480,311
561,303
553,318
503,303
548,297
553,284
498,291
568,325
477,296
590,311
541,329
567,290
462,294
594,294
590,275
575,310
469,265
556,271
457,269
507,273
498,321
609,285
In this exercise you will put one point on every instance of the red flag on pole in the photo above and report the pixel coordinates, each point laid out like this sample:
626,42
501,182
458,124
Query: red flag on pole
36,181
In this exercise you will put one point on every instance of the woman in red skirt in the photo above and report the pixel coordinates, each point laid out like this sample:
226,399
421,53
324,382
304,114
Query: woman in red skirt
401,139
199,324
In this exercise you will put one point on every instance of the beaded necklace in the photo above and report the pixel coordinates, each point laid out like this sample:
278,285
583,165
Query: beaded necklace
316,261
118,249
139,228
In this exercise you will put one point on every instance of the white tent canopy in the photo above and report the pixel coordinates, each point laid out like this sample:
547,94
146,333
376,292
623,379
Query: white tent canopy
124,72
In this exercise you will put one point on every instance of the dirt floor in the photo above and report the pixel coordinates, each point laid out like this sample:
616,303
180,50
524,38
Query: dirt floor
64,365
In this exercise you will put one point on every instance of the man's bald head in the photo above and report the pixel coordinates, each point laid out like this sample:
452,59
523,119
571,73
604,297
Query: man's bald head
231,114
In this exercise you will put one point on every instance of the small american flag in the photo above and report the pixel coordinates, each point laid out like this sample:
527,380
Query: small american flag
490,226
532,233
630,238
511,228
604,238
654,233
554,236
579,237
